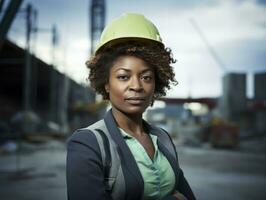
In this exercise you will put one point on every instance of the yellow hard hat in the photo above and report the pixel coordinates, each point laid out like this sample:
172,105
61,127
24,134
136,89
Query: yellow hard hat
130,26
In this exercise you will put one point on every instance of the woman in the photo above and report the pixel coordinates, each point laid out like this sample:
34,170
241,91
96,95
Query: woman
130,68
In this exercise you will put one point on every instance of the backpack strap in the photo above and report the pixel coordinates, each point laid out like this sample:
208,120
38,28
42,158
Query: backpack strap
105,154
113,175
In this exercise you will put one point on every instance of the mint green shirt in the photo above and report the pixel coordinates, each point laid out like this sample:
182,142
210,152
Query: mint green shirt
157,173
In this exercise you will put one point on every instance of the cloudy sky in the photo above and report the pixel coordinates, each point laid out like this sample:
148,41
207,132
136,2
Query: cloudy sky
235,29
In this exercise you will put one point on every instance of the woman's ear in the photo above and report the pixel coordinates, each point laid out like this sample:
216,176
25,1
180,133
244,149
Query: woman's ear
107,88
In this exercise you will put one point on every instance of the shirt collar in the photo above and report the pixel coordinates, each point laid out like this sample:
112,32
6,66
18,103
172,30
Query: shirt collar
128,136
125,134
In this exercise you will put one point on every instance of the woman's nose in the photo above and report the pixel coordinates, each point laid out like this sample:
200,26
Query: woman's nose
136,85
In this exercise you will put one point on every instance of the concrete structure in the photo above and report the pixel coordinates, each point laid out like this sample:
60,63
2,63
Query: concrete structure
259,86
67,91
233,101
260,96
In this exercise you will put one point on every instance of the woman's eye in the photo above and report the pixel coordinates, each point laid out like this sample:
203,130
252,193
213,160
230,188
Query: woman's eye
122,77
147,78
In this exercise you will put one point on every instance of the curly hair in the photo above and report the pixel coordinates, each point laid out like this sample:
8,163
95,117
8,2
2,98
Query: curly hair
158,58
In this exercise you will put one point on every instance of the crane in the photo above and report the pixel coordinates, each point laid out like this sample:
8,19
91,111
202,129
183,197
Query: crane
97,21
209,47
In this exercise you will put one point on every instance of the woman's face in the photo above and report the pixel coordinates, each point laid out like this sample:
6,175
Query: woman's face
131,85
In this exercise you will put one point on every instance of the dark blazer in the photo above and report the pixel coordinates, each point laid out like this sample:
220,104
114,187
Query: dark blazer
85,177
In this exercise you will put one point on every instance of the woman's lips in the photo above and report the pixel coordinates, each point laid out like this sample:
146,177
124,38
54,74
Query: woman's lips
135,100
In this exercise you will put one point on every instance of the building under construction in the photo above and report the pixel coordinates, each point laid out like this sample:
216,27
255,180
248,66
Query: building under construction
68,94
33,91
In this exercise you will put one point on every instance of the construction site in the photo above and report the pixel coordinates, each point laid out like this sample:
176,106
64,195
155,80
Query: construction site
221,141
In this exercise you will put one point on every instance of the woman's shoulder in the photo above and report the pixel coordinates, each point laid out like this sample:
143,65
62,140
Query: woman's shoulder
82,146
83,136
83,140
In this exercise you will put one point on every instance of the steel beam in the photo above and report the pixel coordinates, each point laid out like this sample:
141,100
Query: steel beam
8,18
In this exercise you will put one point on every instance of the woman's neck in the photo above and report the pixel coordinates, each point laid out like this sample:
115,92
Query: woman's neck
132,124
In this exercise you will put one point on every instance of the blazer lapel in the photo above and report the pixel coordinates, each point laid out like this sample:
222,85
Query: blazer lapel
129,165
173,161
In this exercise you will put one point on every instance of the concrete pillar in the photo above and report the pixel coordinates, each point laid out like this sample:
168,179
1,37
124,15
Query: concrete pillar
260,95
259,86
62,108
233,101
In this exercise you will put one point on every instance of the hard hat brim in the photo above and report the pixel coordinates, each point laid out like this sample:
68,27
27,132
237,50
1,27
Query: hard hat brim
117,41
